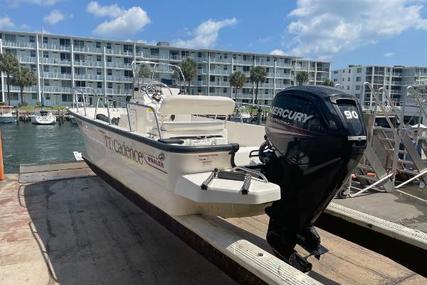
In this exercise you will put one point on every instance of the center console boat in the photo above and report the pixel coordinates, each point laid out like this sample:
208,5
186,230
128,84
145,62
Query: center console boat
175,152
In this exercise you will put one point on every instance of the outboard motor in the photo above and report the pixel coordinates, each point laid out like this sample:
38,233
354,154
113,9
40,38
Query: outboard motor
315,137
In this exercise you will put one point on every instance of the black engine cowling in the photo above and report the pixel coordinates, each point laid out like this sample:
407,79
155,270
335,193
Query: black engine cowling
315,137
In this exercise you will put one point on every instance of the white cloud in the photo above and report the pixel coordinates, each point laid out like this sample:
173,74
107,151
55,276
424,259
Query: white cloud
104,11
16,3
277,52
389,54
6,23
54,17
206,34
325,27
123,22
129,22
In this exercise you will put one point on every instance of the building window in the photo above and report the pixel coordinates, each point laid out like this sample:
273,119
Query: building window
127,60
128,73
108,45
45,40
65,56
47,96
211,89
64,42
266,91
98,58
32,39
45,54
357,87
154,51
348,79
212,78
199,54
98,44
109,58
99,84
359,70
109,72
98,71
46,68
110,85
224,90
358,78
225,79
67,98
199,78
33,53
246,68
34,96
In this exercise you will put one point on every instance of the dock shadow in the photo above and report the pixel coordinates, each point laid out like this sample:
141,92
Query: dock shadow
93,235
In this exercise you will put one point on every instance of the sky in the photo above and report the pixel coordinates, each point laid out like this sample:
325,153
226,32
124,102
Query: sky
384,32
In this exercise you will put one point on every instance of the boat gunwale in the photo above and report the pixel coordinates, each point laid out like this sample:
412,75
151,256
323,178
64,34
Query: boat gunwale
230,147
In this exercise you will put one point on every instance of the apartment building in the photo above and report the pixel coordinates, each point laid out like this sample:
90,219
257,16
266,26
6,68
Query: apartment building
63,62
394,78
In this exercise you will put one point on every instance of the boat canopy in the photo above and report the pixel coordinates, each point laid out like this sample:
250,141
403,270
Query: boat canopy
198,105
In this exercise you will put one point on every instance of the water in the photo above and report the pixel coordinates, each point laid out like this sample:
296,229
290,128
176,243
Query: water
27,143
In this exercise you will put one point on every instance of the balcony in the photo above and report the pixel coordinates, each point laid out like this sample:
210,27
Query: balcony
27,59
87,49
90,63
112,91
119,78
220,60
118,52
51,75
18,44
219,72
56,61
119,65
89,77
243,62
30,89
57,89
55,47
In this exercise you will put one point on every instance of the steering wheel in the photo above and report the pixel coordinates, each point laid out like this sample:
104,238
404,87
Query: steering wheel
156,94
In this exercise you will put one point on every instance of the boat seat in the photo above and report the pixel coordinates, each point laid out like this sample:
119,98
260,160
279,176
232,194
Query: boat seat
196,105
183,107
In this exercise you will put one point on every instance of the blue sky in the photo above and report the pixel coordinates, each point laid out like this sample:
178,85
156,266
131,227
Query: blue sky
344,32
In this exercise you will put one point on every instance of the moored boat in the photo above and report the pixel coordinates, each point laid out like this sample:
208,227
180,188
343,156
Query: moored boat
43,118
6,115
173,151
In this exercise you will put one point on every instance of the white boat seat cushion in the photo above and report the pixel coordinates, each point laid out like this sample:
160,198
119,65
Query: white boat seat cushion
197,105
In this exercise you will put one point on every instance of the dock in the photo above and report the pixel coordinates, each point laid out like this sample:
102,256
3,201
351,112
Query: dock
60,223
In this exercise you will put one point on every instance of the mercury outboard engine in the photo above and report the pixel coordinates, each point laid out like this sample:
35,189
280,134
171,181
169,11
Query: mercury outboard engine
315,137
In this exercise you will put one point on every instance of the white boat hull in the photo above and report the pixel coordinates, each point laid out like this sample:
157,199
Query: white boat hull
43,120
7,119
153,173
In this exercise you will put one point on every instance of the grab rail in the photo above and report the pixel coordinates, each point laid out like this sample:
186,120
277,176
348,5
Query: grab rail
105,102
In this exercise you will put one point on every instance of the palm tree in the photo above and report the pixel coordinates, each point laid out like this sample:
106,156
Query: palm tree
189,70
328,82
258,74
301,77
8,65
237,80
23,78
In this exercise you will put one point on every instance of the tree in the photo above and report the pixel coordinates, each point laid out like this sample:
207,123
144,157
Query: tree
8,65
302,77
258,74
23,78
237,80
189,70
145,71
328,82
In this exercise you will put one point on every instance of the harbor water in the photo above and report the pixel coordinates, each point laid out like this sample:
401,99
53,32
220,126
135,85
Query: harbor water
26,143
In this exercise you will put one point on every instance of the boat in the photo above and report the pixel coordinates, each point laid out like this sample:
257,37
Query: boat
6,115
173,151
43,118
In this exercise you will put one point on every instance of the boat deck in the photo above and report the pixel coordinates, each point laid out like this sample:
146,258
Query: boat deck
61,223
